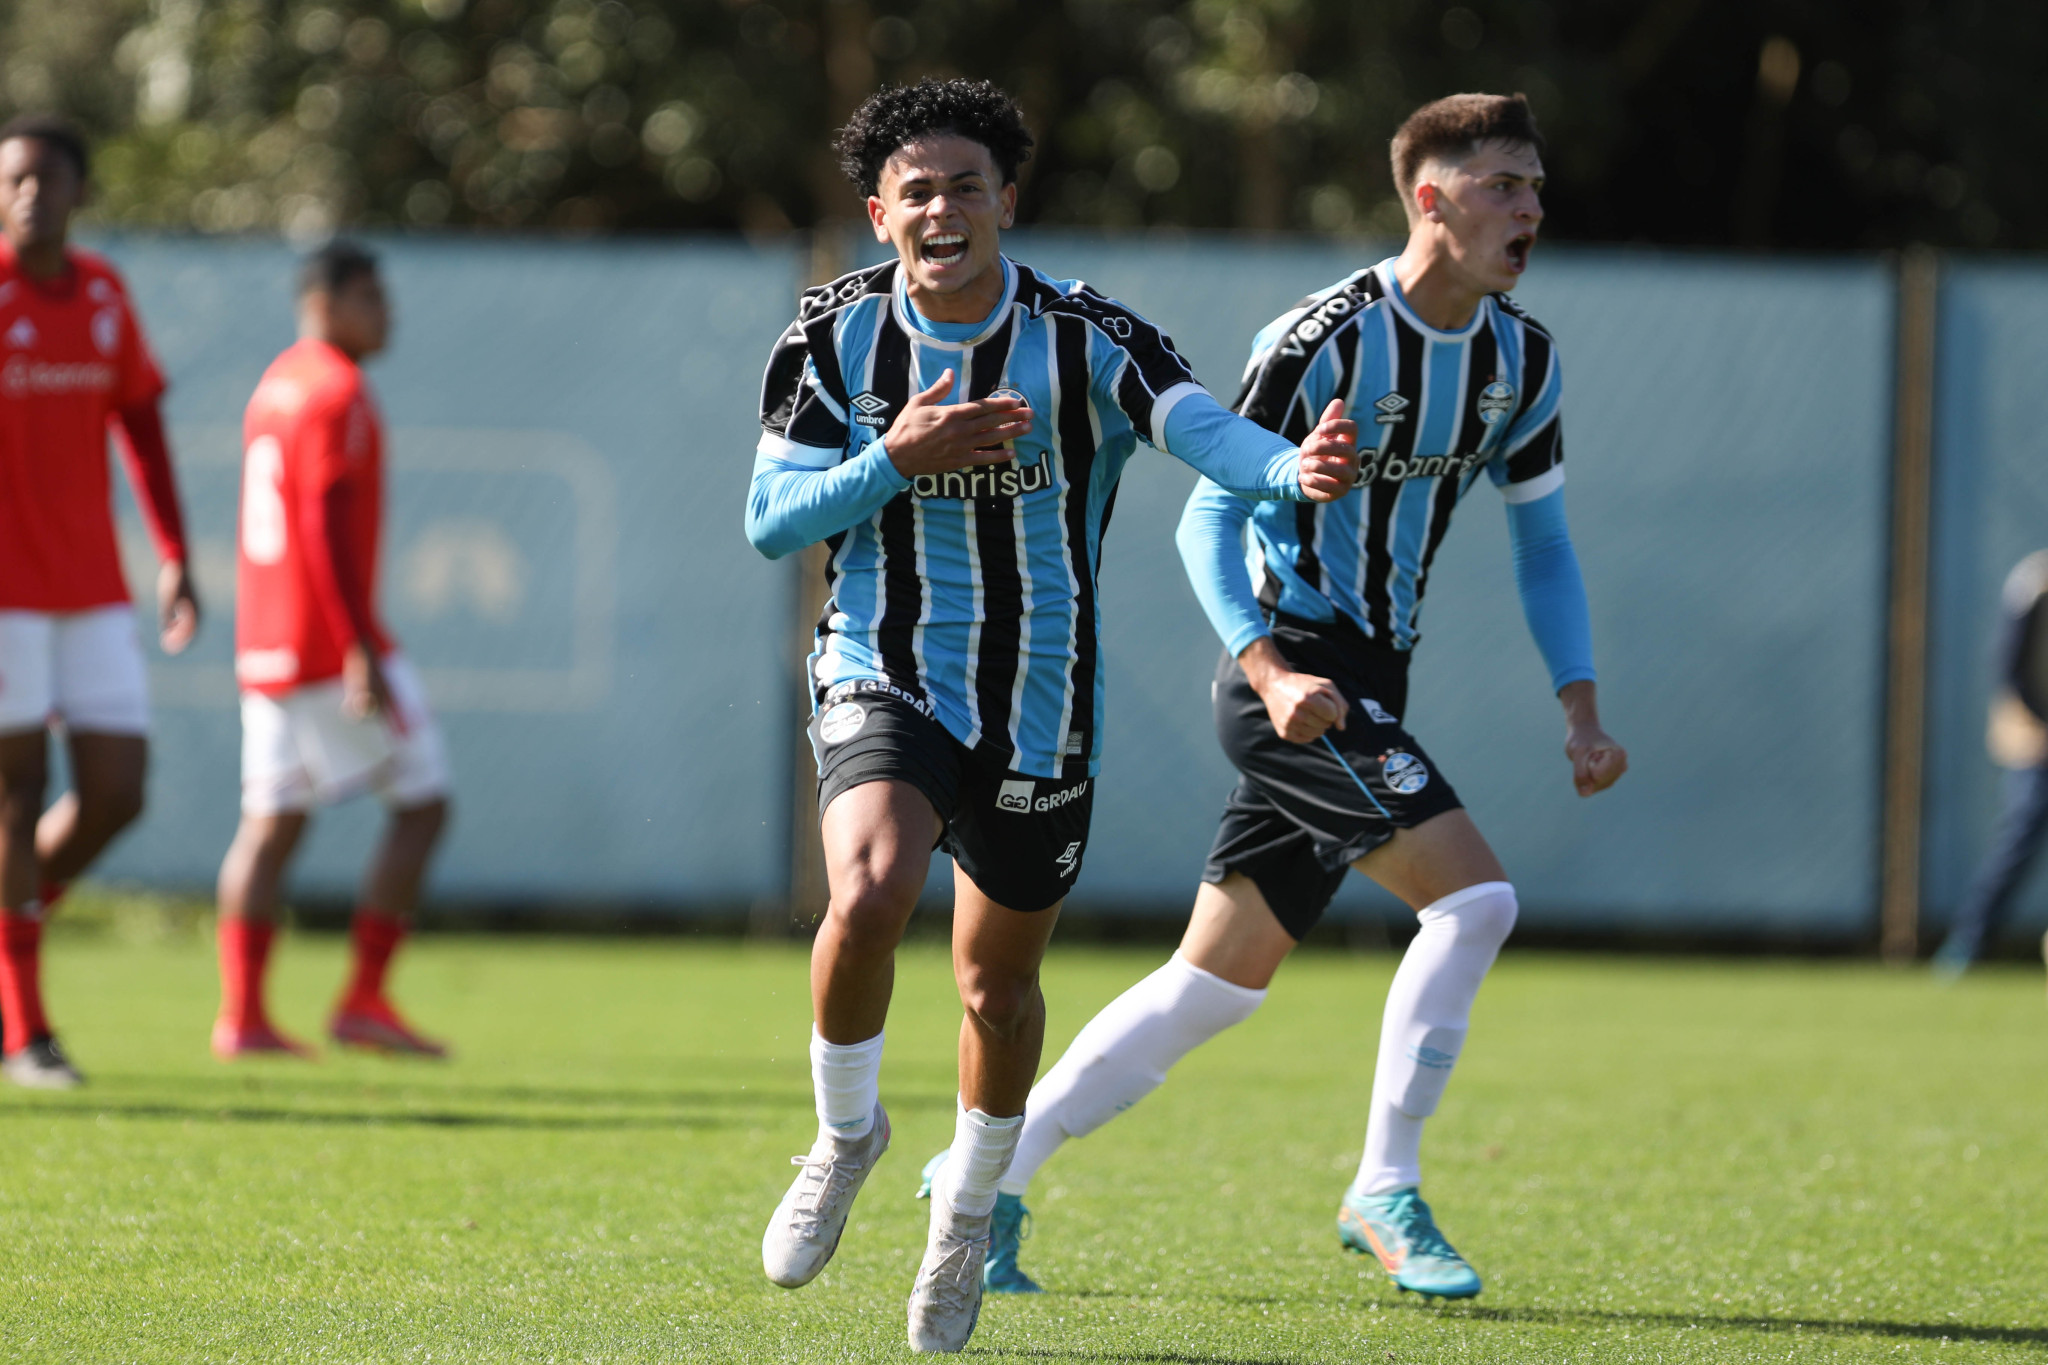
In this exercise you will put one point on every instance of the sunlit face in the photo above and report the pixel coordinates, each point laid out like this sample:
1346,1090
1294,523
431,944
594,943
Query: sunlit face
1487,208
40,188
356,317
943,205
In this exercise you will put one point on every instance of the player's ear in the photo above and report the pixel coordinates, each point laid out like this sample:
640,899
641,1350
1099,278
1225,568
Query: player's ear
1428,200
1009,201
878,216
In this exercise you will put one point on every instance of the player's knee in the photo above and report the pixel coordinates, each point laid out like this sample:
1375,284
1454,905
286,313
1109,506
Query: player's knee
1483,915
1003,1002
112,807
869,912
424,822
22,794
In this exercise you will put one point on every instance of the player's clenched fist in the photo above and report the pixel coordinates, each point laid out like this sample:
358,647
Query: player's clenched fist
1301,705
1329,457
932,437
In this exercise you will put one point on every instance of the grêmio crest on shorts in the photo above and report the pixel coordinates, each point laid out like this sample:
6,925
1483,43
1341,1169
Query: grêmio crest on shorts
976,589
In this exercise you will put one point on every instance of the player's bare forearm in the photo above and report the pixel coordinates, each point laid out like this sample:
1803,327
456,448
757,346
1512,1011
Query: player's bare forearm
1301,705
1597,760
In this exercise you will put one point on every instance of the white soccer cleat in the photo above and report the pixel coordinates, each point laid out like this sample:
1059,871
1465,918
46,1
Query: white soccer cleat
946,1300
42,1065
805,1230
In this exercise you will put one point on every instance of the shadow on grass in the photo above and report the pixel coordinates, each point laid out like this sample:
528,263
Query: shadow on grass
1140,1356
232,1102
422,1118
1925,1331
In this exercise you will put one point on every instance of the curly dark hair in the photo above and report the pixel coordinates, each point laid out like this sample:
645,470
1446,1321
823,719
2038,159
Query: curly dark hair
892,119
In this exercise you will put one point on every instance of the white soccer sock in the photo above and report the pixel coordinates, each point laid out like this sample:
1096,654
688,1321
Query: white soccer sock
1122,1055
982,1148
846,1079
1429,1008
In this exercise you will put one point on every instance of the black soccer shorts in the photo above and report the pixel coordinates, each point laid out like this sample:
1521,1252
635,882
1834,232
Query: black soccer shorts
1301,814
1019,838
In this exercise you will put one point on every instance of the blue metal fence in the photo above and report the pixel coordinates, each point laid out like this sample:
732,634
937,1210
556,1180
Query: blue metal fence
573,428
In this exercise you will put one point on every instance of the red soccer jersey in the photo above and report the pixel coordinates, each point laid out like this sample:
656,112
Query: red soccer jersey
312,507
71,357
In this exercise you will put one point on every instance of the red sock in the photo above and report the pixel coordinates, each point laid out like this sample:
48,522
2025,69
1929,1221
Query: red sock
21,994
244,958
51,893
376,937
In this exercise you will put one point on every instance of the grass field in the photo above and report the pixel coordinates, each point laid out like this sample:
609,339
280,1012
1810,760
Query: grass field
1650,1160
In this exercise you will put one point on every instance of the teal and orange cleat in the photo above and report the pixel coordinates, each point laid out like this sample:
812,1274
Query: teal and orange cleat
1010,1225
1396,1227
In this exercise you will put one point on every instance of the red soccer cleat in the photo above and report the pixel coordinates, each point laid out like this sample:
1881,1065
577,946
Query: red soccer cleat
375,1025
232,1040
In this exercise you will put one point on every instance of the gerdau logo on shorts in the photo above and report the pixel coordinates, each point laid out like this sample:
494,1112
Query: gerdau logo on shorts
1023,796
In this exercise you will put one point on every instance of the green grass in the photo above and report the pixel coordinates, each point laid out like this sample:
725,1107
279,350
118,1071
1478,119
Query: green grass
1650,1160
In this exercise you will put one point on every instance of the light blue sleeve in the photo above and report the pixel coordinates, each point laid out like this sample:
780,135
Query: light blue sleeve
797,498
1233,452
1211,541
1552,589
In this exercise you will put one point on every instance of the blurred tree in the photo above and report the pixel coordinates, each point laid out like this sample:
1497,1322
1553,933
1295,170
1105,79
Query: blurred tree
1805,123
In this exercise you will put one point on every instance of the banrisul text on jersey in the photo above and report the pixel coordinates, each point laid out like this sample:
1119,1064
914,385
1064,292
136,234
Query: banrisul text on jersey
1434,409
974,591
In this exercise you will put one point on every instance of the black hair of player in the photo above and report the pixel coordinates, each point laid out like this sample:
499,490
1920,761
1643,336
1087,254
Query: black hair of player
892,119
57,132
334,265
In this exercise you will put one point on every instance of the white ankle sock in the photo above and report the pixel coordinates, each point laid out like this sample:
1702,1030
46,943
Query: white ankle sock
982,1148
1429,1008
846,1079
1122,1055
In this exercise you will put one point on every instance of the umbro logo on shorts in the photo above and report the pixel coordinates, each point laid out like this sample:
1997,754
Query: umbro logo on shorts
1377,712
1070,861
1023,796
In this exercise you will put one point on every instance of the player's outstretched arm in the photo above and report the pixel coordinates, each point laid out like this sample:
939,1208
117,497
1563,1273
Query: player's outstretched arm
800,494
1553,593
139,435
1245,458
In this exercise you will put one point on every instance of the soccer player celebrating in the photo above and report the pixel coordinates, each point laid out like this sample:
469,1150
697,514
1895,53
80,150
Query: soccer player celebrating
1313,684
73,363
953,424
329,707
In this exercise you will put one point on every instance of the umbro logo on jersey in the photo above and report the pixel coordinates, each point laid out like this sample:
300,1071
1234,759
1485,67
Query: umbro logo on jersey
1496,401
1390,409
22,334
1023,796
868,409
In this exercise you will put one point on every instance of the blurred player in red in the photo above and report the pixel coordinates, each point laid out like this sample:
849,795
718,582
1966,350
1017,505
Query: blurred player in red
73,364
330,709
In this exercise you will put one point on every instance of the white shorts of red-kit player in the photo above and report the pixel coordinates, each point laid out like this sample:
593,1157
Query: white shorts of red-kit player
83,668
300,750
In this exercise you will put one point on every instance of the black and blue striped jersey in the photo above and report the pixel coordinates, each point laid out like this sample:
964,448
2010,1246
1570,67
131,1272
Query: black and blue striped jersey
974,592
1434,409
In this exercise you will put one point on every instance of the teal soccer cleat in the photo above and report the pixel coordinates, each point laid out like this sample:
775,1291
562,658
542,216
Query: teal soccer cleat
1000,1273
1398,1230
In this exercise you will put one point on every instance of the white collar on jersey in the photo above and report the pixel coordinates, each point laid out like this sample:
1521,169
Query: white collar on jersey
1399,300
999,316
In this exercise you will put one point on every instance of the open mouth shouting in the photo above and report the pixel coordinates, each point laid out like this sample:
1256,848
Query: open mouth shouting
1518,251
944,248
